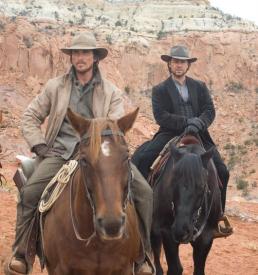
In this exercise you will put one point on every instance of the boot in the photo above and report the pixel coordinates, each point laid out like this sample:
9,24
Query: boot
146,267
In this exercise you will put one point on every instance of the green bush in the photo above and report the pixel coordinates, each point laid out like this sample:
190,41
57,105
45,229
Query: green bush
127,89
241,184
235,86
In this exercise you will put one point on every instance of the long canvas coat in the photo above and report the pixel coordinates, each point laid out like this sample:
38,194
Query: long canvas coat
53,102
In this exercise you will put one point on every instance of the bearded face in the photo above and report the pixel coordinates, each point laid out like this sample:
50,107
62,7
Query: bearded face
82,60
178,67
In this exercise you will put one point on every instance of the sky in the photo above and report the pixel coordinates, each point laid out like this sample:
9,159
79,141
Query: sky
246,9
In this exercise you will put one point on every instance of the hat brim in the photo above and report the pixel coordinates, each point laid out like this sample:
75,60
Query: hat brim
101,52
167,58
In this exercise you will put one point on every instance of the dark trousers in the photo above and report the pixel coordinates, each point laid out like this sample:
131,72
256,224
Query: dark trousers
145,155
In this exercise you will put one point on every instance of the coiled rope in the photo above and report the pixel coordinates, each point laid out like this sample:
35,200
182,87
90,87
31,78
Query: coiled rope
60,179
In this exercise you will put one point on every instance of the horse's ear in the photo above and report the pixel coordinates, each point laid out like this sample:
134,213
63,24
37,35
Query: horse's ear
126,122
79,123
176,154
206,156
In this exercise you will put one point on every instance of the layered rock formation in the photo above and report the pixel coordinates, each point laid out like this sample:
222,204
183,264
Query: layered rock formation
32,32
146,17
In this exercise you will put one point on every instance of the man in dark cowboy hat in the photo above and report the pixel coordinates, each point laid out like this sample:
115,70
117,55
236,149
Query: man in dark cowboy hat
85,91
180,105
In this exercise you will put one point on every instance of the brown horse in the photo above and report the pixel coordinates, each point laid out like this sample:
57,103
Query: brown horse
92,228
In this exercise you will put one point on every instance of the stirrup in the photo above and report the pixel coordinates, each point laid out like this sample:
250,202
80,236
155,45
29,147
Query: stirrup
9,271
223,231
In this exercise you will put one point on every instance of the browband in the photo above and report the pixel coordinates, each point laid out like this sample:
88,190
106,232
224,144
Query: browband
107,132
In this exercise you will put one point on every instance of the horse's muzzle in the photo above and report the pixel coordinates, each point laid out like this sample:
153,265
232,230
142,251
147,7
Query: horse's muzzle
182,234
110,228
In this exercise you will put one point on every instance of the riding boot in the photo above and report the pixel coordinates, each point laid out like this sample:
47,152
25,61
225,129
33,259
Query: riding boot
18,262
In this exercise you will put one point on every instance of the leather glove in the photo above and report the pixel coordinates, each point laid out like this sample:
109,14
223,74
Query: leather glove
191,129
197,122
40,149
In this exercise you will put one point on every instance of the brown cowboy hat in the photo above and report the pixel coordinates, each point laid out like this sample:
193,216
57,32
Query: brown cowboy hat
178,52
85,41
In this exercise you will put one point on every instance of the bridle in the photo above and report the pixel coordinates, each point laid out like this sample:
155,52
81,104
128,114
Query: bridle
127,197
204,206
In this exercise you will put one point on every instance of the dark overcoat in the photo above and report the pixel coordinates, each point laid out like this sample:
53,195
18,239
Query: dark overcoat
166,107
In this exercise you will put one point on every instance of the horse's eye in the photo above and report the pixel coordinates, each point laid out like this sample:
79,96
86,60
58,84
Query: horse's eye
83,162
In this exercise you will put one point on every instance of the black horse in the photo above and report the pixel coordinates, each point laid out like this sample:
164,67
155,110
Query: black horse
187,207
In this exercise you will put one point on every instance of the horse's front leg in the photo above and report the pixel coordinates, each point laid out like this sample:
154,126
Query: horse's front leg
171,252
156,242
201,249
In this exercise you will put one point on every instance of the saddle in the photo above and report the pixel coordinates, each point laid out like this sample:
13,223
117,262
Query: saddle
161,160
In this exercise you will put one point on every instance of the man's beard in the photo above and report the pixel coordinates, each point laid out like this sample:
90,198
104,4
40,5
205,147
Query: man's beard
178,74
84,71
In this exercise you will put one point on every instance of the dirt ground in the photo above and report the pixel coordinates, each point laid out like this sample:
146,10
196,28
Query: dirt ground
236,255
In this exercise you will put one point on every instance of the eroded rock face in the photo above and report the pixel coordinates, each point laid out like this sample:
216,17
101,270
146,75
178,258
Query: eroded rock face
32,49
227,62
145,17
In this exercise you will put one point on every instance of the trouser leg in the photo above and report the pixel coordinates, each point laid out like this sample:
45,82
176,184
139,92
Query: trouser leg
223,175
29,198
143,201
145,155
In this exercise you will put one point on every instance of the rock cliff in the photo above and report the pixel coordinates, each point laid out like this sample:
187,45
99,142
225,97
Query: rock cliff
136,34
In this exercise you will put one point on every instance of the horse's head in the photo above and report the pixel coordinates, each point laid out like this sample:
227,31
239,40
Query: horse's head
105,170
188,179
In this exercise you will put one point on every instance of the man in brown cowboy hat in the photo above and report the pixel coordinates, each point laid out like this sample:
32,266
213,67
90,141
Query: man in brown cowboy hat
84,90
180,105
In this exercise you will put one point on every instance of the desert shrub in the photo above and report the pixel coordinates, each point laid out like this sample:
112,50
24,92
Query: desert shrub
127,89
229,146
28,41
109,39
2,26
248,142
118,23
241,184
234,86
161,34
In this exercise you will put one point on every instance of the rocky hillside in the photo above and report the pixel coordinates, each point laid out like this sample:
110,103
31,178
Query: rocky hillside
32,32
126,17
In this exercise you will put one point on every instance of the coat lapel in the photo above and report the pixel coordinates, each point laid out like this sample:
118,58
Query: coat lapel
173,94
193,94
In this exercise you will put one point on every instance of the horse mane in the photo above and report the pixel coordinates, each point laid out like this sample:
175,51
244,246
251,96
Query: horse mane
190,166
96,128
